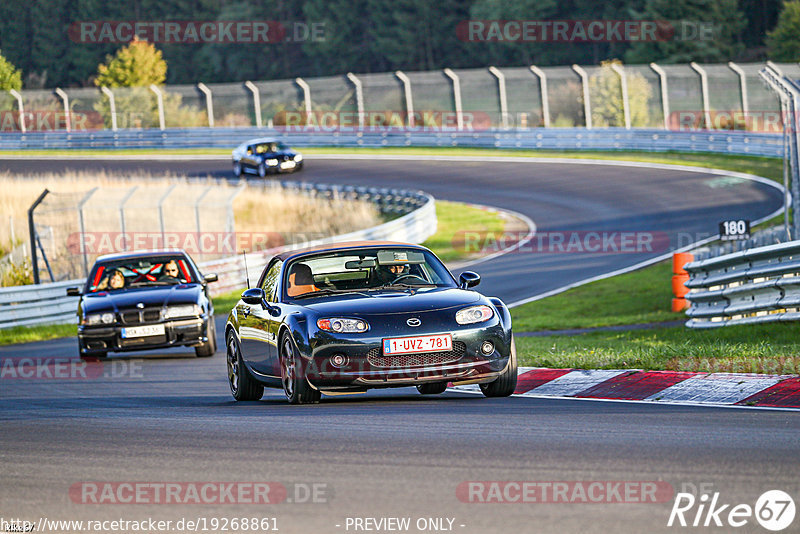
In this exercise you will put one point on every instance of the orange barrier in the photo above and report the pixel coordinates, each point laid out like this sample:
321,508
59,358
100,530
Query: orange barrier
679,277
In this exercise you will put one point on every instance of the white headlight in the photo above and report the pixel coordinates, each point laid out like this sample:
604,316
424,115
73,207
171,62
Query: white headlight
474,314
272,162
182,310
107,318
92,319
338,324
298,158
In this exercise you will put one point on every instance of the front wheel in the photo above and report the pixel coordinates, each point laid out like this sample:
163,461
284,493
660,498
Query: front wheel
207,349
506,383
295,385
262,170
243,386
237,169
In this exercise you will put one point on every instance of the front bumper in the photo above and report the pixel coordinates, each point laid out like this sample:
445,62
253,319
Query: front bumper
366,367
178,332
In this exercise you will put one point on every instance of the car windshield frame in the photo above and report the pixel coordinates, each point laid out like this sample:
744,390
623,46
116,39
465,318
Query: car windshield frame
422,264
137,275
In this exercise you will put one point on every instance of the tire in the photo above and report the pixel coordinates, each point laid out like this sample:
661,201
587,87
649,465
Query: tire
295,385
262,170
237,169
434,388
506,383
243,386
207,349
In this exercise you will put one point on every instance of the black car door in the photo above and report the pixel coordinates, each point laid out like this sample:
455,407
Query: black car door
257,336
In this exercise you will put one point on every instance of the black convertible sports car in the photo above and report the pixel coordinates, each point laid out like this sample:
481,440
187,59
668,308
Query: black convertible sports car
265,156
145,300
353,316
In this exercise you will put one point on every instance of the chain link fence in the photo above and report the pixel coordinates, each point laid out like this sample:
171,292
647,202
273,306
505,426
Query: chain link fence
717,96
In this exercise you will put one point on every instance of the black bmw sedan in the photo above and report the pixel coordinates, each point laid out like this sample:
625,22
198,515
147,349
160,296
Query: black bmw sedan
145,300
354,316
265,156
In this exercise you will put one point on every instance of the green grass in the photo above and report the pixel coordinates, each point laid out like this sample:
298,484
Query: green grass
770,349
453,217
26,334
643,296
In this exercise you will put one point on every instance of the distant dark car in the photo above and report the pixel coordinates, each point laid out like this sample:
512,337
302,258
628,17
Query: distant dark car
354,316
145,300
265,156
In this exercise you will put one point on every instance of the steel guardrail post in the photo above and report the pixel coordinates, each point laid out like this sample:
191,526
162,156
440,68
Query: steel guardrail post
587,105
209,103
256,101
32,235
65,100
623,80
539,73
408,97
662,78
21,107
456,97
501,88
112,106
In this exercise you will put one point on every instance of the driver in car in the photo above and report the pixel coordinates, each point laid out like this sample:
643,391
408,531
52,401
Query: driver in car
170,273
387,274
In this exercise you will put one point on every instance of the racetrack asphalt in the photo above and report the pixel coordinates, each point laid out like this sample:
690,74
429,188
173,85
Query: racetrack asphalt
168,417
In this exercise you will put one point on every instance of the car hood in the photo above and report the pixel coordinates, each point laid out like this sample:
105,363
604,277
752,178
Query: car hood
103,301
384,302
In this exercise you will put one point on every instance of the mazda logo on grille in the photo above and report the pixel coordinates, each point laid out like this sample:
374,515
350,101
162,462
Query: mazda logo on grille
413,322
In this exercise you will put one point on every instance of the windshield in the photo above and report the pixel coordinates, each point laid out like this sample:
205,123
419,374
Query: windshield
365,270
140,272
265,148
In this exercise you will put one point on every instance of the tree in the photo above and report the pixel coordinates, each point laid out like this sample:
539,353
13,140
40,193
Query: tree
139,64
700,30
784,40
10,76
607,103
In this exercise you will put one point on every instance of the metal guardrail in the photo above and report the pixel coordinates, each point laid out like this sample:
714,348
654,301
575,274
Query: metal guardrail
612,139
759,285
48,304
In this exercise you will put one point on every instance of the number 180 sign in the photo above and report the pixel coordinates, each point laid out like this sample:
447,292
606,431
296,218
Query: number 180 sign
734,230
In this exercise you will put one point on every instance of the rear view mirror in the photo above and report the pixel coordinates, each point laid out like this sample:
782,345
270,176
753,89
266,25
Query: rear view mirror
73,292
210,277
254,295
469,279
360,264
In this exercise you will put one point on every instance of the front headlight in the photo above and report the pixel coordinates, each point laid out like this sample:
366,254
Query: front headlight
298,158
338,324
98,318
474,314
272,162
181,310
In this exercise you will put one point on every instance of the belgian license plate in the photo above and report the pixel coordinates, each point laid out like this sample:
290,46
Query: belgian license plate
417,344
287,165
143,331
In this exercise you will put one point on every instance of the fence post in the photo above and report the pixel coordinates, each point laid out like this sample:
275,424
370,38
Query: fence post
82,202
65,99
256,101
16,94
545,99
456,97
209,103
306,95
112,106
742,86
231,222
197,209
409,98
587,106
662,78
501,88
32,234
125,199
160,100
623,80
359,98
704,92
161,214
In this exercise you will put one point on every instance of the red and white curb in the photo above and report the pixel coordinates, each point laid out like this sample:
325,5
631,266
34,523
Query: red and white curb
671,387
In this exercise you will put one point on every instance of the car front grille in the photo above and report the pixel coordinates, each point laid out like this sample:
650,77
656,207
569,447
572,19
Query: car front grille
149,315
376,358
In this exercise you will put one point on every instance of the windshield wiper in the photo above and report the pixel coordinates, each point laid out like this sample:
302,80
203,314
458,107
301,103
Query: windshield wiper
329,291
406,286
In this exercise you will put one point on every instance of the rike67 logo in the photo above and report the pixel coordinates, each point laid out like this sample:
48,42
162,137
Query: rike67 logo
774,510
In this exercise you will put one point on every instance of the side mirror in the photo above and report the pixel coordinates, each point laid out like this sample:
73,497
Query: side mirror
73,292
210,277
469,279
253,295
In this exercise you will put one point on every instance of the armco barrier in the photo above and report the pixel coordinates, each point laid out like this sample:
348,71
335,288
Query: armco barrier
48,303
758,285
650,140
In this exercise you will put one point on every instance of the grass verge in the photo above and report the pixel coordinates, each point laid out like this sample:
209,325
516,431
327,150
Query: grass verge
26,334
770,349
